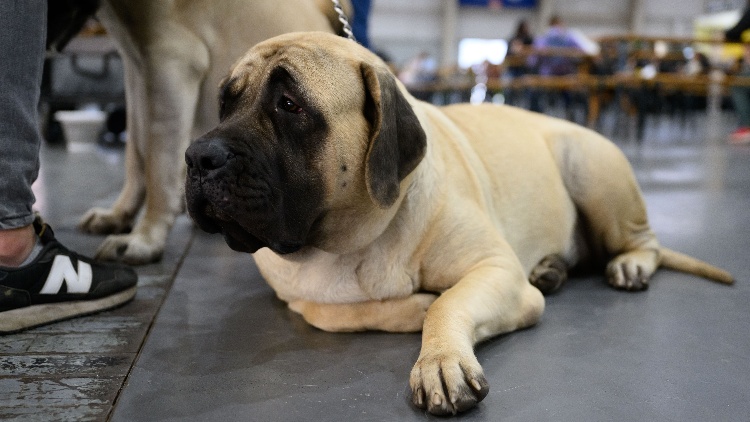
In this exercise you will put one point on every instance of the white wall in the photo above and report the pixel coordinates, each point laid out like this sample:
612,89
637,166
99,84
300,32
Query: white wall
404,28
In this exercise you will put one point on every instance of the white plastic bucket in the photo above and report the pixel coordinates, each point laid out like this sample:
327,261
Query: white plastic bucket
81,126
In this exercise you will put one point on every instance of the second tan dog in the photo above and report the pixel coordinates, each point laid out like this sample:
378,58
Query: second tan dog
366,209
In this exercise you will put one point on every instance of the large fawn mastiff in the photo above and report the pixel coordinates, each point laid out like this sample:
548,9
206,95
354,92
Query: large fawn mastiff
366,209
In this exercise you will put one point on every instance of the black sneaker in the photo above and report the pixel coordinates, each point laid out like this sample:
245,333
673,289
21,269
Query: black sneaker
60,284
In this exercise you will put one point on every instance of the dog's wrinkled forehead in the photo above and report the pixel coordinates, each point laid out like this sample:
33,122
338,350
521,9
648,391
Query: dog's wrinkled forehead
321,63
314,48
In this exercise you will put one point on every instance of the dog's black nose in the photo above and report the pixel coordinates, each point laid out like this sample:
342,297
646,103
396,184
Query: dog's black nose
207,154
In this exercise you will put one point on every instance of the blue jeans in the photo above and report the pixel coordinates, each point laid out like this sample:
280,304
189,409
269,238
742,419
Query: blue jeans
23,26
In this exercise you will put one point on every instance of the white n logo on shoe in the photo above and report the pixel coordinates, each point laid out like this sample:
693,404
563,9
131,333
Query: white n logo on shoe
62,269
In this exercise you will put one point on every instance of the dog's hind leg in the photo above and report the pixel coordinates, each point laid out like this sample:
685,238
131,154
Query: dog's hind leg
601,183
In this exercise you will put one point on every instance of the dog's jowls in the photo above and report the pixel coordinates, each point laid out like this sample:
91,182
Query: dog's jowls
366,209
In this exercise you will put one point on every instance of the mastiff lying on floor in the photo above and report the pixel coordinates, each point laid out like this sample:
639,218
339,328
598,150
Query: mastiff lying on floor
366,209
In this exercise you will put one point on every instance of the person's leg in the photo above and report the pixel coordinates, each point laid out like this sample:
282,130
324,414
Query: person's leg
360,21
41,281
741,103
16,245
535,100
22,37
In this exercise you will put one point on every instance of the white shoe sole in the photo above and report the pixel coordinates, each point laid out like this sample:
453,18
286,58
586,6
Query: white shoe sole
36,315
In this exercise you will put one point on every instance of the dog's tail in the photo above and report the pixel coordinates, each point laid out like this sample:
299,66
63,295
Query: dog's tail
685,263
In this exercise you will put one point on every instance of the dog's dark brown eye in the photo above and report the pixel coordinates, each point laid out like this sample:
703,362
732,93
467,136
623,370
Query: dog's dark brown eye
286,104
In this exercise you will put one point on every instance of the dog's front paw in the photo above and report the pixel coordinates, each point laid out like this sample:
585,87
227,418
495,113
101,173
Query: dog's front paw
445,382
133,249
104,221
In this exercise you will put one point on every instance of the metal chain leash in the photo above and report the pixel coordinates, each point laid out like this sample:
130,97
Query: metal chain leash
343,19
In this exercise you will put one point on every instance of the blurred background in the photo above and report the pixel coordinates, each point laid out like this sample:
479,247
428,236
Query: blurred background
576,59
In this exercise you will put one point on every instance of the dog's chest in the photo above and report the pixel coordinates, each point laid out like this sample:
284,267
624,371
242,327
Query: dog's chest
328,278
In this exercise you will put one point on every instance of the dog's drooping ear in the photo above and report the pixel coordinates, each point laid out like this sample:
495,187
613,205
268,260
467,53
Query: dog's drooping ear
397,141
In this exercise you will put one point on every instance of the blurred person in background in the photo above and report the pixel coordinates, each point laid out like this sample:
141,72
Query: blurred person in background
518,46
559,36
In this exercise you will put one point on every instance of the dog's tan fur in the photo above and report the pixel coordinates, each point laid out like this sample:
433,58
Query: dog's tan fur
175,53
498,190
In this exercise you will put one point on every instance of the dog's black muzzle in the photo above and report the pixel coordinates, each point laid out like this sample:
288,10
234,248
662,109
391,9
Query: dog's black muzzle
208,200
225,195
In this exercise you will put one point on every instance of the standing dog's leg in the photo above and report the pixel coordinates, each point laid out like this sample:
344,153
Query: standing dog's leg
119,218
175,86
493,298
173,68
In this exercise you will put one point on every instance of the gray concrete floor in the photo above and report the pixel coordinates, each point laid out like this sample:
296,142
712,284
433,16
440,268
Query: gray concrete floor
206,340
